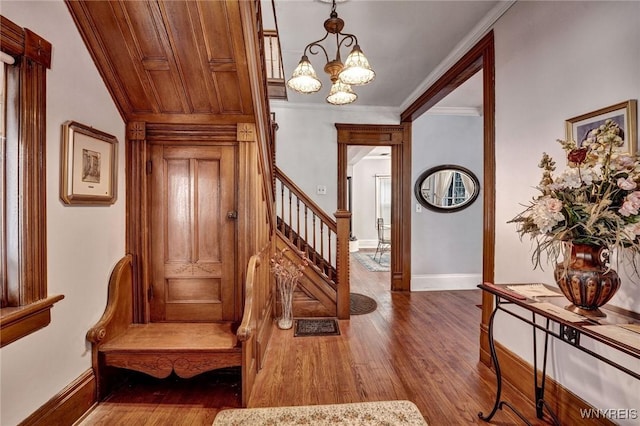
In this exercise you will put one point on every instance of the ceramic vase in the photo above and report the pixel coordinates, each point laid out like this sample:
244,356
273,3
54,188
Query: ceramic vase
586,279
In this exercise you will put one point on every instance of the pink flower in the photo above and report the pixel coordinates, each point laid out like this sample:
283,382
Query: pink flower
627,209
631,204
635,198
627,184
624,161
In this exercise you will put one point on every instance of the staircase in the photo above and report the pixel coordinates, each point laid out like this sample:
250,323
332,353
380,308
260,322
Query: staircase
306,230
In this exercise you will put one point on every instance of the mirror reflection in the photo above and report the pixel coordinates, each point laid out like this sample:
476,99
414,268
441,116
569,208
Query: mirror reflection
447,188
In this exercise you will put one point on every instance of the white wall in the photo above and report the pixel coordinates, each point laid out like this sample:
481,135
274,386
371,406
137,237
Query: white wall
306,143
83,243
446,248
556,60
364,198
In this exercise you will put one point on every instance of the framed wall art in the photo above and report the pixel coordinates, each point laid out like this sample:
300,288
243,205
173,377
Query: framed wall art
624,113
88,172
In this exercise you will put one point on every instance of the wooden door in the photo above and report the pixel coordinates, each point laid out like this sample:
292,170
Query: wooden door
192,233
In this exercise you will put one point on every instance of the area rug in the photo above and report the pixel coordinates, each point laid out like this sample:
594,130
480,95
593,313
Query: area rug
316,327
361,304
366,260
355,413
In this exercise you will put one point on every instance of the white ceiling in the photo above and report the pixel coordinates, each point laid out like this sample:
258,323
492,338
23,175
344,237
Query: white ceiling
407,42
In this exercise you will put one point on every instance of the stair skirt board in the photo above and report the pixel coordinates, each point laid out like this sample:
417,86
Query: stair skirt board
437,282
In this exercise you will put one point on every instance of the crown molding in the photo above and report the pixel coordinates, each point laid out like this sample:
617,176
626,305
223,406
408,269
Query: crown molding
276,103
479,31
466,111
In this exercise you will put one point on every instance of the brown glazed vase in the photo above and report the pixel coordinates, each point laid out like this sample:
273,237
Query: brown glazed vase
587,281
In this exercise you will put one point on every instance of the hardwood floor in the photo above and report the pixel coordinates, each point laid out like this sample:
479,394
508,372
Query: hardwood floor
420,346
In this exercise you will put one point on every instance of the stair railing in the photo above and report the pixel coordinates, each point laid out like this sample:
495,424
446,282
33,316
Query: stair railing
323,240
306,225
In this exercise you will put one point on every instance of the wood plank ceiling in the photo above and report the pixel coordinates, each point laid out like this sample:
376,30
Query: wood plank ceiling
167,61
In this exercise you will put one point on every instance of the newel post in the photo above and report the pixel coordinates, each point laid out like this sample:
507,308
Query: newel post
342,263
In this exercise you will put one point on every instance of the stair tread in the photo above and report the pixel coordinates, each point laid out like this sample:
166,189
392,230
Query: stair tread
175,337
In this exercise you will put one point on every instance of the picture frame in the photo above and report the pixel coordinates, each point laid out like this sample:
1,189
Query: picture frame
89,164
623,113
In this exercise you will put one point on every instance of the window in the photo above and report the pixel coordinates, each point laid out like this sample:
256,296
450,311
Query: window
383,199
25,306
456,193
272,58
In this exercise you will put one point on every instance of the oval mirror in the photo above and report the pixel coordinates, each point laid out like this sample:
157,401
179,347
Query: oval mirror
447,188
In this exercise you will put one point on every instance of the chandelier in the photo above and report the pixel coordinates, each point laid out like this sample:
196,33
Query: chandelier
355,71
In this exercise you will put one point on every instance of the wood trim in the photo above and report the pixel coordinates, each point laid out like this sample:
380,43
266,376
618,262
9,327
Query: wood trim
191,133
468,65
12,37
37,48
67,406
251,19
399,138
21,321
343,218
401,276
32,208
489,178
137,222
519,374
246,195
27,128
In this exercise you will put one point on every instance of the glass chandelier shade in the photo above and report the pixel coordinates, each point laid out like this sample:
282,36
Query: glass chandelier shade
304,78
341,94
357,70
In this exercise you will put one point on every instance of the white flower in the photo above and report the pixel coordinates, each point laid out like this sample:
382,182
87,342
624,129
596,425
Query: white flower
631,231
574,178
546,214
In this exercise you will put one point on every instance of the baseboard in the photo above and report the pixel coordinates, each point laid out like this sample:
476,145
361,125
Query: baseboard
367,244
519,374
436,282
67,406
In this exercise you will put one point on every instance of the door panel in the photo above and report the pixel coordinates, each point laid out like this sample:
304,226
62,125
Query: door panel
192,240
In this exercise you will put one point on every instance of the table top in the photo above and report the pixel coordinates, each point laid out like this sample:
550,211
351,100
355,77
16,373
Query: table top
619,328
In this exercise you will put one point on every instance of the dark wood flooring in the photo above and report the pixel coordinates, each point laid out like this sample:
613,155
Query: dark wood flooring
420,346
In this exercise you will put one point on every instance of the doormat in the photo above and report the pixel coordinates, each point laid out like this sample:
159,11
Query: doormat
316,327
361,304
380,264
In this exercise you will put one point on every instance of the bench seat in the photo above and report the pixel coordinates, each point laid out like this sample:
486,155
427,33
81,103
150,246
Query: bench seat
187,349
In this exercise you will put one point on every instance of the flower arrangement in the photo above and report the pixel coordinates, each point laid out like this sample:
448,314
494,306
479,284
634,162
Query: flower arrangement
595,201
284,269
287,275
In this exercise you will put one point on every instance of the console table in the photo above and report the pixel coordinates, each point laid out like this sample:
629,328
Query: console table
564,326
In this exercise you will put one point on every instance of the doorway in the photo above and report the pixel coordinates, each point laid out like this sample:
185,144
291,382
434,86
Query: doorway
370,203
480,57
397,138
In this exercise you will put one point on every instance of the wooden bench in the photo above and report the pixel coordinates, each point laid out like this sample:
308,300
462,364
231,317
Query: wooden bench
158,349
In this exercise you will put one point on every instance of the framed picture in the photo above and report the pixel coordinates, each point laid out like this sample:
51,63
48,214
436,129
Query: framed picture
89,165
624,113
